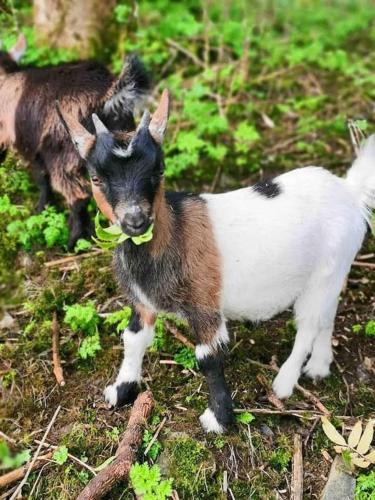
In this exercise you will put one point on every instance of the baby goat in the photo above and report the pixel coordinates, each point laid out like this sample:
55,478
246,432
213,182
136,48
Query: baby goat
246,254
29,122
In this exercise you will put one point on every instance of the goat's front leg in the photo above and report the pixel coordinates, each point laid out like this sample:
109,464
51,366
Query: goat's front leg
210,356
137,337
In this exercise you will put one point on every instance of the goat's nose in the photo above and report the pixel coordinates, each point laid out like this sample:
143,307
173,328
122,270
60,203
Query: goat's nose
135,218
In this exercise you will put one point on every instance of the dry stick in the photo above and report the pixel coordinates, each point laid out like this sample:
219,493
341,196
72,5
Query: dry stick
297,473
306,393
36,454
17,474
72,457
72,258
187,53
369,265
303,414
126,452
271,396
57,369
176,333
155,436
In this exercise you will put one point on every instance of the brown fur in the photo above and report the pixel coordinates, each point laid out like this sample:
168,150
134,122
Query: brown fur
162,224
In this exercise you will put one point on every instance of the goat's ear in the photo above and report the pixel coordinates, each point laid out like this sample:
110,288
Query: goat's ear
18,50
158,124
82,139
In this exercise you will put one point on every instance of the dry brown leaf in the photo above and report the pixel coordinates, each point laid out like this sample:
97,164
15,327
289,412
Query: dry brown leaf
339,449
355,435
366,439
332,433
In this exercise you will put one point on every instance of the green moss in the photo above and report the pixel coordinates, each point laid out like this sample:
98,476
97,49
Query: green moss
190,467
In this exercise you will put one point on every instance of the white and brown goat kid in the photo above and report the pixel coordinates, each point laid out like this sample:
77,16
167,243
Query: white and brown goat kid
246,254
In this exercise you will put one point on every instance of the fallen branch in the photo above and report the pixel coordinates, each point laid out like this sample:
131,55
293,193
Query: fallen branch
72,258
178,335
297,471
17,474
126,452
57,368
36,454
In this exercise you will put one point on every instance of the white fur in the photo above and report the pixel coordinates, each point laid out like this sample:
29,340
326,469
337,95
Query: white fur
209,422
295,249
221,338
135,345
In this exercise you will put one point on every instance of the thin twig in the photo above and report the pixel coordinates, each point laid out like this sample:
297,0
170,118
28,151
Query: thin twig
179,336
304,414
57,368
297,474
36,454
72,457
369,265
306,393
155,436
271,396
186,52
72,258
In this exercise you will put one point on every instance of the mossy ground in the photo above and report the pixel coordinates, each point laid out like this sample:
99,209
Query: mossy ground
299,110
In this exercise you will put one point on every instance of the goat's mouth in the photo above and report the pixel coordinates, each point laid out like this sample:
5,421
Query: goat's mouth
132,230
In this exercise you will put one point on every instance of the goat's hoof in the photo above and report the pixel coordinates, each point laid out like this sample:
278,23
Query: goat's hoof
209,422
121,394
284,383
317,368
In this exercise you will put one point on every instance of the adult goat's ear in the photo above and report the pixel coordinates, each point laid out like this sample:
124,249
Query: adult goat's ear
18,50
81,138
158,124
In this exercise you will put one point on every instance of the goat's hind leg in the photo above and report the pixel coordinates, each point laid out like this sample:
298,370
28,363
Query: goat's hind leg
315,312
137,337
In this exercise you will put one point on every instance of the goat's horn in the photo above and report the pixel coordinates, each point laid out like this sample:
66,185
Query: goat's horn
145,120
100,128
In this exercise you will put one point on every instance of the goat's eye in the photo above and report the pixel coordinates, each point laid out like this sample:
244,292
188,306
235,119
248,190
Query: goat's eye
95,180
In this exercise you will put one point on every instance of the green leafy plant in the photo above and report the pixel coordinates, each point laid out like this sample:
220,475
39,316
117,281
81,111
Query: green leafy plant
356,451
84,318
47,228
60,455
356,328
370,328
186,358
82,245
365,487
147,483
9,461
245,417
119,318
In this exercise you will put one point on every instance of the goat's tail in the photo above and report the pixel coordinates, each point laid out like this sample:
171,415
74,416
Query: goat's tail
130,88
361,176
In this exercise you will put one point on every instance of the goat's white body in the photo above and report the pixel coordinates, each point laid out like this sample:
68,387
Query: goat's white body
273,249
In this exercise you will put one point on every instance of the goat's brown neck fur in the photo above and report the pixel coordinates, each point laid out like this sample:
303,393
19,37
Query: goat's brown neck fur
162,224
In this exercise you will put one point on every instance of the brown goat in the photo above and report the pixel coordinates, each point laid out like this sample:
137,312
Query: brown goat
30,125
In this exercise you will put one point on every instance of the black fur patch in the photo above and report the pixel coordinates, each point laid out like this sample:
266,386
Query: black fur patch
134,323
268,188
220,399
127,392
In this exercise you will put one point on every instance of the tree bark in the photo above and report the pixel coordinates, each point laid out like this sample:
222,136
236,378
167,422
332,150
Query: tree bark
77,25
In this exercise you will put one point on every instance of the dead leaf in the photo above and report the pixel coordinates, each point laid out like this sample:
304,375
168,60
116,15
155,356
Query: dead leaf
355,435
371,457
339,449
332,433
366,439
359,462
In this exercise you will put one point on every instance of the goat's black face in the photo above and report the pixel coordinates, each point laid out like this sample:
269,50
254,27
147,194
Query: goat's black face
7,64
128,175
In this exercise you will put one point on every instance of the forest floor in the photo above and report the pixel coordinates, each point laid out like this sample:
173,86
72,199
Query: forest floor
256,456
240,112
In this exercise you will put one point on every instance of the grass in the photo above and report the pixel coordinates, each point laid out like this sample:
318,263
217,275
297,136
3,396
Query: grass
255,93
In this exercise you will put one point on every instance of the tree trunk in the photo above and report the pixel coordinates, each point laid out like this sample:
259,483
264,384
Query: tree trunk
77,25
